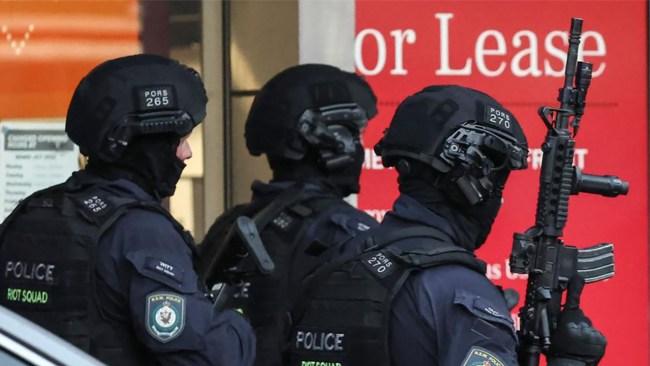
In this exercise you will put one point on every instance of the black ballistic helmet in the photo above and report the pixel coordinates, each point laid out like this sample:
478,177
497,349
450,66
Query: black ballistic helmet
304,107
131,96
466,136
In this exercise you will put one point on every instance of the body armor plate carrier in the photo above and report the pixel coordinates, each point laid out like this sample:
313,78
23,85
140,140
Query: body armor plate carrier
342,319
48,249
283,222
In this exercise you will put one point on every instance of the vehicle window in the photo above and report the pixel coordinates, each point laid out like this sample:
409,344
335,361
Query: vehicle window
14,353
8,359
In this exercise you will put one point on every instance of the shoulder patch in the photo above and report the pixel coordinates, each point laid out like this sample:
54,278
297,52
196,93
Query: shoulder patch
165,268
165,319
362,227
379,264
478,356
484,306
95,204
283,221
486,309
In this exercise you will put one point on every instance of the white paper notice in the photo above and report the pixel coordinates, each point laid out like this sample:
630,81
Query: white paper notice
32,156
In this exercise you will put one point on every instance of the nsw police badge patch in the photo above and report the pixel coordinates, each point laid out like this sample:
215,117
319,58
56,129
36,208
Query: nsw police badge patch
478,356
165,316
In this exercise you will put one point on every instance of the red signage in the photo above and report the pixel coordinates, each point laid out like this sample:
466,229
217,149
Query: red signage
515,51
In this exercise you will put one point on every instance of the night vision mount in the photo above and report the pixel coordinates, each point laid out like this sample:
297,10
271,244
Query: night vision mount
480,153
333,130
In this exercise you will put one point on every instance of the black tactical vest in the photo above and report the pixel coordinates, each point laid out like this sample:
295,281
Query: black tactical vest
282,223
47,253
342,319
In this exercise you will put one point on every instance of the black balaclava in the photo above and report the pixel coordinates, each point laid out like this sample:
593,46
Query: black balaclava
149,161
345,180
471,224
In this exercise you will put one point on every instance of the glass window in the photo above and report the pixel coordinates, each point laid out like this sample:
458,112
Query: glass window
8,359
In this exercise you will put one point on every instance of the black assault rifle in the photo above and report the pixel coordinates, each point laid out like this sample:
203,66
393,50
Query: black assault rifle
245,230
540,251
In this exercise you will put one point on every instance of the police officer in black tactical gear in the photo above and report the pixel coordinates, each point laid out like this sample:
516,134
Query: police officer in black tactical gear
307,120
417,295
106,267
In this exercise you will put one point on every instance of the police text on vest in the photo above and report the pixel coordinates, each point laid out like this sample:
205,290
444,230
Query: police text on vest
30,271
319,341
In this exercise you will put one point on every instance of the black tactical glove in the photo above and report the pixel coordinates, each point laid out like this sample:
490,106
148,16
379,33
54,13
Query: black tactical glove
575,342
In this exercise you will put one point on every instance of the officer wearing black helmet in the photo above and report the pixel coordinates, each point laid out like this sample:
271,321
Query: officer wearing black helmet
114,272
417,295
308,121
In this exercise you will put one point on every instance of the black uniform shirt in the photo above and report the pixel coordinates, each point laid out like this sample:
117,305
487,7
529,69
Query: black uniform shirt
448,315
146,278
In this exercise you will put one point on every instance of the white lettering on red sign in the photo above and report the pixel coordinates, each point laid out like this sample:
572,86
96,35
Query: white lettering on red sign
371,160
494,52
535,157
